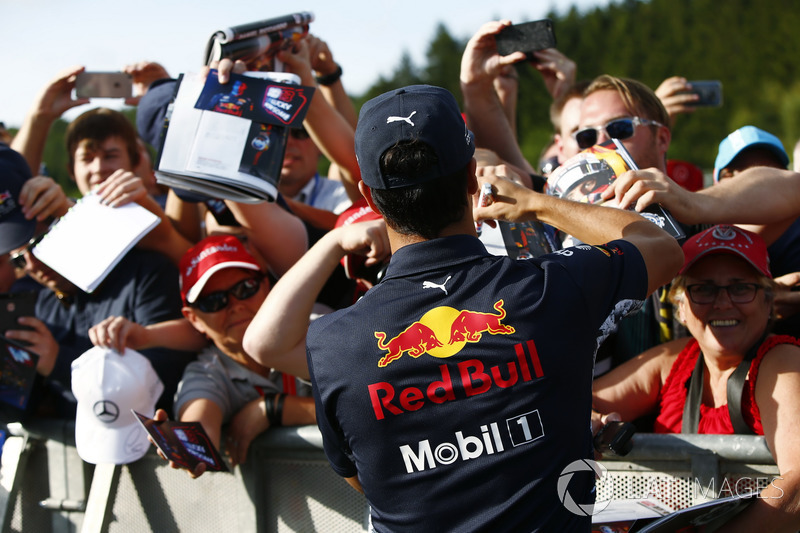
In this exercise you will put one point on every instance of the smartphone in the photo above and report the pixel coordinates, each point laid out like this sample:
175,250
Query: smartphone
14,305
103,85
709,91
614,438
526,37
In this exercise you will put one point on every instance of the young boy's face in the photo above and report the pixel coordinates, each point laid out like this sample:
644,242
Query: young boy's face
95,162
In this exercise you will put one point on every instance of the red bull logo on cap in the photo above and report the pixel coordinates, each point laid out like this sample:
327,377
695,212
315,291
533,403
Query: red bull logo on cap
457,327
7,203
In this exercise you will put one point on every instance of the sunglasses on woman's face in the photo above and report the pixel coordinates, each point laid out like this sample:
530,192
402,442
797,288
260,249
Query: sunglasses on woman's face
217,301
620,128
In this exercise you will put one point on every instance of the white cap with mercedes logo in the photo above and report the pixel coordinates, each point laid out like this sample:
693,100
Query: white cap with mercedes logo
107,386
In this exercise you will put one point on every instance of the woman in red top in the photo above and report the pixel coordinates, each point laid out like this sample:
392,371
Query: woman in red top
723,295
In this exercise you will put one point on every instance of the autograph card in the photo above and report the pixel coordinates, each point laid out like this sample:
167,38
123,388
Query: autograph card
184,443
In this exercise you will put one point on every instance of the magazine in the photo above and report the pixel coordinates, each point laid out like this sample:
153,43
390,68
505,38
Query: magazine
706,516
185,443
91,238
584,177
256,43
17,373
650,515
228,141
518,240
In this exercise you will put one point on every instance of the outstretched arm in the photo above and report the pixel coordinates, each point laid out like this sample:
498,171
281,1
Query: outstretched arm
276,336
557,70
328,128
278,235
674,94
118,333
481,64
766,198
324,65
52,101
592,224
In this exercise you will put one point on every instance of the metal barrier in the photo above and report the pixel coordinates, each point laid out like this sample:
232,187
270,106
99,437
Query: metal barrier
287,485
683,470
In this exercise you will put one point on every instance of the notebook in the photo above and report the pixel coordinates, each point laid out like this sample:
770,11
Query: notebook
87,243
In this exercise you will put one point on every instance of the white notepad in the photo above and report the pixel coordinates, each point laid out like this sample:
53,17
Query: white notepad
87,243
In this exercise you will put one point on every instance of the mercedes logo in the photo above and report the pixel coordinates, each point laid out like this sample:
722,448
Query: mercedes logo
106,411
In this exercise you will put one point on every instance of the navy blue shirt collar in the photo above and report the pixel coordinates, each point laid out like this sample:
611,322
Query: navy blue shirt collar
435,254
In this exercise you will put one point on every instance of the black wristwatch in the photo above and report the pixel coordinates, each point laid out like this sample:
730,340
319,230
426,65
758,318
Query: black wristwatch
330,79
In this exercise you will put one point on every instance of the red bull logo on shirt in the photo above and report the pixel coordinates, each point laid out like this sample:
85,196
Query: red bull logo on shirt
458,327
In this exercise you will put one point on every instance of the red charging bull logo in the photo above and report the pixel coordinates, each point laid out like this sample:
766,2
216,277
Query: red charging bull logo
7,203
459,327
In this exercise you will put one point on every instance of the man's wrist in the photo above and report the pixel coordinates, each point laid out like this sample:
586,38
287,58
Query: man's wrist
330,78
273,405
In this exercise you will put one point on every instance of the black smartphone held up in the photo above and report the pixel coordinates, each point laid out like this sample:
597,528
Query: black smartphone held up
614,438
526,37
709,91
103,85
14,305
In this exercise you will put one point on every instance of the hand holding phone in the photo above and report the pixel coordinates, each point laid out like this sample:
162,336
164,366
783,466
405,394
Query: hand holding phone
103,85
527,37
709,93
13,306
614,438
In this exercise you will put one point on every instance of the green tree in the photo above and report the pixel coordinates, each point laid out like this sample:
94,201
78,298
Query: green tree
444,61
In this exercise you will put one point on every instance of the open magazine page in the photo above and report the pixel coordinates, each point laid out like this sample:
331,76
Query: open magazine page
518,240
706,516
228,141
585,176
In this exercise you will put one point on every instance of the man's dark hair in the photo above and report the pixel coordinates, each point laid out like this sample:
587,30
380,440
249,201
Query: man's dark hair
95,126
425,209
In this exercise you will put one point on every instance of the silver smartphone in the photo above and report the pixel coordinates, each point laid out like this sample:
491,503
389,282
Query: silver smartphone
103,85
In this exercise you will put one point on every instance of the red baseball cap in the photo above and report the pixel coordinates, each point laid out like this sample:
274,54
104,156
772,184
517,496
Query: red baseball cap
208,257
723,239
685,174
360,211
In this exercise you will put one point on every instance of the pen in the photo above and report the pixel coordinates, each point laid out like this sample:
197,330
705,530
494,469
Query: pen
483,200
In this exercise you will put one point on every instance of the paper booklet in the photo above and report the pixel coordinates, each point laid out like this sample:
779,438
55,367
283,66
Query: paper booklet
584,176
17,373
87,243
185,443
228,141
649,515
518,240
256,43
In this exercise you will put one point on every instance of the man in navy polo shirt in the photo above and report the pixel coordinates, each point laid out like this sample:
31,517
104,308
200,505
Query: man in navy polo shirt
458,389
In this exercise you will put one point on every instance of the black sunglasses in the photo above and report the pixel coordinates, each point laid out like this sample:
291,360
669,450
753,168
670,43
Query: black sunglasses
18,259
299,134
706,293
620,128
217,301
